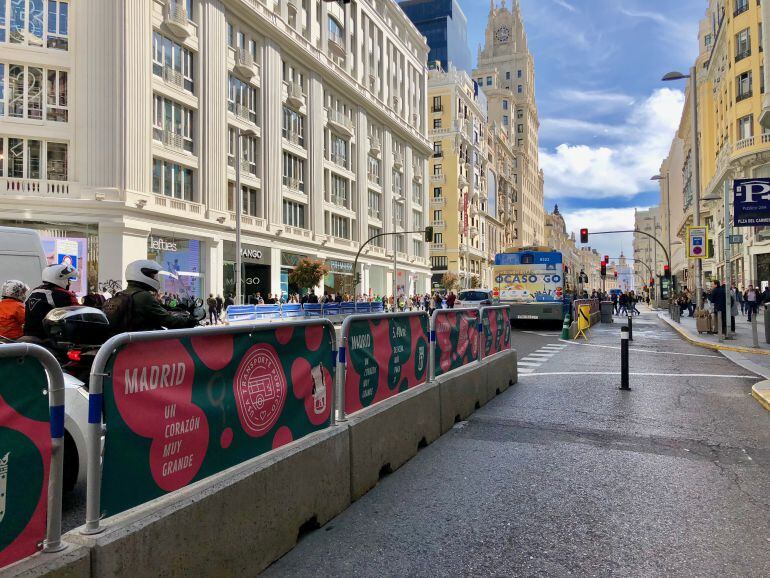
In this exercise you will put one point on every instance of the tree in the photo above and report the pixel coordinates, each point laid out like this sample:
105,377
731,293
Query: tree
475,282
449,281
308,273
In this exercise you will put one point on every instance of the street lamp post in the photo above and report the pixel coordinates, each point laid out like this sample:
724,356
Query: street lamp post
240,133
401,202
665,177
695,171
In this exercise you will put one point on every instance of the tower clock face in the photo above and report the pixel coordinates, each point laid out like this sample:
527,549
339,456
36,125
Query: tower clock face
503,34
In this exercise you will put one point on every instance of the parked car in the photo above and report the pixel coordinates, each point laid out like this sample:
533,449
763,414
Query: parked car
475,298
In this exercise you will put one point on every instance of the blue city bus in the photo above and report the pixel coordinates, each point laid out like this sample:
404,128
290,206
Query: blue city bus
531,281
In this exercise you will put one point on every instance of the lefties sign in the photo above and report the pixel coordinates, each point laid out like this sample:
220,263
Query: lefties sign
751,201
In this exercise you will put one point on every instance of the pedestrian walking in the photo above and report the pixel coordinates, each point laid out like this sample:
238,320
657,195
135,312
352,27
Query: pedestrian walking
751,302
211,302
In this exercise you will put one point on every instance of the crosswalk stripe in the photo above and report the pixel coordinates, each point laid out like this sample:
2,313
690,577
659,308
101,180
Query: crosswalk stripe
530,363
526,369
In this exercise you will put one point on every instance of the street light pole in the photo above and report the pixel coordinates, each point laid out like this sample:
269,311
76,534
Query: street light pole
728,248
238,213
693,76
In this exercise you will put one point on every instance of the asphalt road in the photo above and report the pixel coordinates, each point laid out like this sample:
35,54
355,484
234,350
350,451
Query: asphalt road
565,475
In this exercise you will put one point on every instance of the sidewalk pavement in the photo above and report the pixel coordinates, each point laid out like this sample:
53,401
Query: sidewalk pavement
739,350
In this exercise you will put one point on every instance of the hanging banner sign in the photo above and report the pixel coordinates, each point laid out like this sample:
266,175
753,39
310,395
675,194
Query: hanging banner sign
751,202
179,410
496,325
386,356
457,339
25,457
697,242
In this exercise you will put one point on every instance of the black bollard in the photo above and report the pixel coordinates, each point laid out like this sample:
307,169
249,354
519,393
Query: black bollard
624,338
630,328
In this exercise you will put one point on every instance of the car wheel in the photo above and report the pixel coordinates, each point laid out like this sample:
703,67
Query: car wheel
71,463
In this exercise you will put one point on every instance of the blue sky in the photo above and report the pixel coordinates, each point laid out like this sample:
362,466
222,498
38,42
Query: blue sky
606,120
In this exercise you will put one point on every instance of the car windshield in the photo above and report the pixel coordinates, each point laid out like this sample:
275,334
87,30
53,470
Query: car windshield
473,295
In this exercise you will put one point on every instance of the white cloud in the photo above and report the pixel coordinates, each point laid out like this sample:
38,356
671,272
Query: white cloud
596,97
554,129
565,5
622,168
654,16
604,220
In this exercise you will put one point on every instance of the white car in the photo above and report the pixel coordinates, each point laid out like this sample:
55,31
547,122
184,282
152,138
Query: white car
475,298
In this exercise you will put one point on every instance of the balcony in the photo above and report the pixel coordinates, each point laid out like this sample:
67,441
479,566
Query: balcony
166,204
340,122
437,246
743,96
417,175
244,112
37,188
437,108
396,102
373,178
462,181
294,138
173,140
438,201
439,224
417,200
175,20
174,77
294,95
294,185
245,65
339,160
339,200
336,45
375,213
439,179
398,161
745,143
374,146
298,232
742,54
250,222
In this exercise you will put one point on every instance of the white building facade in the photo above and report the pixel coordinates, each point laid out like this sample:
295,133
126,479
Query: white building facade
119,124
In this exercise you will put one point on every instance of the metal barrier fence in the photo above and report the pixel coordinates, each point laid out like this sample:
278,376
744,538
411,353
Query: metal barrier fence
494,330
454,336
32,451
182,405
245,313
594,303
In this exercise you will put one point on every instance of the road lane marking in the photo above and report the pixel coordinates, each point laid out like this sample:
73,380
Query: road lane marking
529,363
553,373
526,370
643,350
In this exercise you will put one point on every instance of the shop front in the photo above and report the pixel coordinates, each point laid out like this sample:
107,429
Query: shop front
74,244
288,262
182,261
256,271
378,280
340,279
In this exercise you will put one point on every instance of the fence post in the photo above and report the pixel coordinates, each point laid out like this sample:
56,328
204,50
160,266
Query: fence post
630,327
53,541
432,347
754,336
480,336
339,385
624,338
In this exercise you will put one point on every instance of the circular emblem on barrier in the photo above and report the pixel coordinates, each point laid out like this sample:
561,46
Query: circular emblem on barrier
260,390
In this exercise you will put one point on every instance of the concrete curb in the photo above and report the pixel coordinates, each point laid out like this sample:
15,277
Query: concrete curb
708,345
761,392
72,562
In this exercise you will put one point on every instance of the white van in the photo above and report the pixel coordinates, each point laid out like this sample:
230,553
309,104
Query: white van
21,256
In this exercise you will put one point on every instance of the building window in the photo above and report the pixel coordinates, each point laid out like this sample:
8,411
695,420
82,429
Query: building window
417,219
339,191
436,192
375,202
339,151
249,145
294,214
336,33
417,193
293,172
437,215
172,180
489,81
507,75
505,105
373,232
417,248
172,124
24,159
746,127
249,200
437,152
743,86
520,128
741,6
172,62
438,170
708,39
293,126
230,35
35,23
505,120
518,74
57,93
373,169
520,113
520,89
742,44
398,186
242,99
438,238
437,104
759,37
340,227
436,123
398,213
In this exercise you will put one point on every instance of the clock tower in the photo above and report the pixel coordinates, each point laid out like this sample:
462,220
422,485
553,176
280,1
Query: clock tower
506,73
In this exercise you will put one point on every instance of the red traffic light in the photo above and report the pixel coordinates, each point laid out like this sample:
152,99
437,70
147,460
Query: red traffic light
666,272
584,235
616,274
606,259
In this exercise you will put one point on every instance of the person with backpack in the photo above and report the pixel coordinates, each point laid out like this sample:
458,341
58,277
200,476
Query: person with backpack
53,293
137,308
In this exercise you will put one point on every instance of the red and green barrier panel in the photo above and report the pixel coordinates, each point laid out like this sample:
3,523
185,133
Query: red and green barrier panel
383,356
495,329
456,338
31,446
182,405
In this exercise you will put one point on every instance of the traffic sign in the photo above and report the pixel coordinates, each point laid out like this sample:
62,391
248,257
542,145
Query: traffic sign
697,241
751,199
735,239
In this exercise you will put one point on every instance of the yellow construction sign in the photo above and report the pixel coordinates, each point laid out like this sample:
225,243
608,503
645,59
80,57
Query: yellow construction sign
584,321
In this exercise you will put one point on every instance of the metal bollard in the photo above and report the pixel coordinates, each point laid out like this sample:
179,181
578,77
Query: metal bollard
630,328
719,326
754,336
624,339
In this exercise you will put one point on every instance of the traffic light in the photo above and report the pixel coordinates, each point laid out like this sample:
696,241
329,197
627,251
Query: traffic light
607,259
616,274
666,272
428,234
358,279
584,236
566,270
604,268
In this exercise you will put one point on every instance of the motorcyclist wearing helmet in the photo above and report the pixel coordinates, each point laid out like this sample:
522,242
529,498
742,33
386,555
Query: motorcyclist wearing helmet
53,293
146,312
12,314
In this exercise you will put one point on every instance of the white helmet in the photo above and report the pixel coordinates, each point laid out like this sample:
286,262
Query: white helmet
60,274
144,271
14,289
